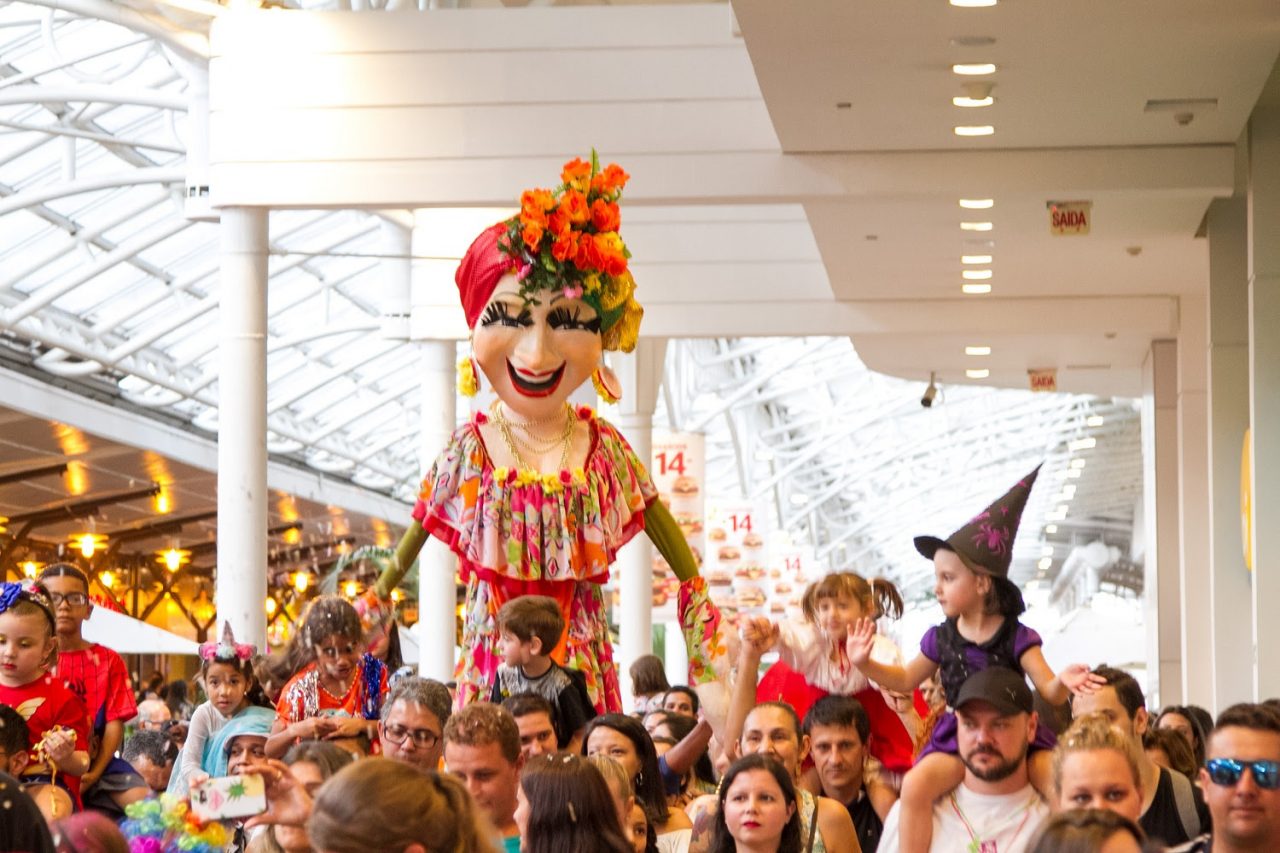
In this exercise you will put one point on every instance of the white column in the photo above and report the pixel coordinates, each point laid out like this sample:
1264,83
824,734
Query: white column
241,590
1264,381
1160,490
640,373
1231,594
1193,500
437,566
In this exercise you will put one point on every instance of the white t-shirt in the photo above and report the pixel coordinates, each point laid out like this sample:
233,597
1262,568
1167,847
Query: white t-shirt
978,823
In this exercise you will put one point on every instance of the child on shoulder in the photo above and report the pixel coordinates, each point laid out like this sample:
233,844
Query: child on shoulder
57,722
981,630
531,627
98,676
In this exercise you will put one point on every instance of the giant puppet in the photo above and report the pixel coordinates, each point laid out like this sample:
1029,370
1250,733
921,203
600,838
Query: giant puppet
535,496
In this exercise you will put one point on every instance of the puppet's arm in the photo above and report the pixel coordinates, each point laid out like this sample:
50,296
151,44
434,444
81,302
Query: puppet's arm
670,542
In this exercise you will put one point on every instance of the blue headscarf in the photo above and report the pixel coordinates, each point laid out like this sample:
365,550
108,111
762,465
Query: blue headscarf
253,720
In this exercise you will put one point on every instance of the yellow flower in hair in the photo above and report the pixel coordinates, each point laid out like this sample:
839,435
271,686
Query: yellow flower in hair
591,284
625,333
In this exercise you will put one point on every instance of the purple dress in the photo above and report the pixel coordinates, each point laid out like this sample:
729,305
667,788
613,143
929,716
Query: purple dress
958,658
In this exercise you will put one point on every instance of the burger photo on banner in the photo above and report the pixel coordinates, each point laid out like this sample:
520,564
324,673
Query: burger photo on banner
735,567
678,468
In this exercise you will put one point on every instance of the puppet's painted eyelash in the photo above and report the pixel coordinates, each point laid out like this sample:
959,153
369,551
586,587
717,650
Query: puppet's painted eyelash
499,312
567,319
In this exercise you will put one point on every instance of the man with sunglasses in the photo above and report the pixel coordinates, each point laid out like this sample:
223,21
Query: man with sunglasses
1241,781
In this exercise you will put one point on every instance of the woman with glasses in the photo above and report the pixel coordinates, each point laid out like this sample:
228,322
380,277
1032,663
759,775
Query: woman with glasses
337,689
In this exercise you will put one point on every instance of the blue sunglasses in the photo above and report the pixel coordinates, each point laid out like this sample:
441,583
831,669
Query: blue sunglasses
1227,771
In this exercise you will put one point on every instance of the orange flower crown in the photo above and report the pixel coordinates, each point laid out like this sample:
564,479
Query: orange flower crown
567,239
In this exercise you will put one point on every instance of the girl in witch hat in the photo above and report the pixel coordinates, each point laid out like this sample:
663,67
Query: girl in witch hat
981,630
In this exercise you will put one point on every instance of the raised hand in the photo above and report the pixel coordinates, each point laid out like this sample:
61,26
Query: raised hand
288,802
1080,680
861,637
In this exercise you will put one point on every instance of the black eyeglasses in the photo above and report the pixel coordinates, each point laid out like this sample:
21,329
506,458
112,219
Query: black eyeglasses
1227,771
73,599
422,738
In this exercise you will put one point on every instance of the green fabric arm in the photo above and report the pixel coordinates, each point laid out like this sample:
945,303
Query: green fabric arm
661,527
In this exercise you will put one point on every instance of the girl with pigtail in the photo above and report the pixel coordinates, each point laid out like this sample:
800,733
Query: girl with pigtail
337,688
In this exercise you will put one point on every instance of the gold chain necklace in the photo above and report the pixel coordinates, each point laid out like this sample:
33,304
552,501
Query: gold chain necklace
514,442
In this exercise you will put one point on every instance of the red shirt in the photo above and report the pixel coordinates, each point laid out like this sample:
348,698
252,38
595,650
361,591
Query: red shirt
45,703
98,676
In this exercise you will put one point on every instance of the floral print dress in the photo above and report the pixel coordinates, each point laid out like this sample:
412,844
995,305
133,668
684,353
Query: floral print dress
521,533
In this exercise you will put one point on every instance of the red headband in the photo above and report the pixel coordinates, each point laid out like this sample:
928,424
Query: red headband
478,273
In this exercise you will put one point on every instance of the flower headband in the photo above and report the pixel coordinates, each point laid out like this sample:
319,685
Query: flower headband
566,240
14,591
227,649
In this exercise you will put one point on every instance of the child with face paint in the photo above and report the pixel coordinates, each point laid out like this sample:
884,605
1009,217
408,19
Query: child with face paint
533,495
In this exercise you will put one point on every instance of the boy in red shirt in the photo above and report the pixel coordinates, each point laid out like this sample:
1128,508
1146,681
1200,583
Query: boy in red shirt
98,676
56,718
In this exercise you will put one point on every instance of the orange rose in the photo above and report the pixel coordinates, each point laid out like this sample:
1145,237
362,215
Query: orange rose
565,248
589,256
534,205
612,253
573,204
558,224
532,236
576,174
605,215
610,180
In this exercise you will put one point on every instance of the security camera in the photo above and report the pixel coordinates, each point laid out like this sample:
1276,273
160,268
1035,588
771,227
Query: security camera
930,393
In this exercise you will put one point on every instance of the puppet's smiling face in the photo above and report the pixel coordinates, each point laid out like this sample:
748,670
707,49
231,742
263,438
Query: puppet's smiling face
535,355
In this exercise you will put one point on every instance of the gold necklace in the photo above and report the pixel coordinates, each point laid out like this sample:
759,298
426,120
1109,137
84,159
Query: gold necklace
514,442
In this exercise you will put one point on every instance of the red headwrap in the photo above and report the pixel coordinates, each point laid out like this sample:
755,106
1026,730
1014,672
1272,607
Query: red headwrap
478,273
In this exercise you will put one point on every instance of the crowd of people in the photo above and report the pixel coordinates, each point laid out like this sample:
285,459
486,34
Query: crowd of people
353,760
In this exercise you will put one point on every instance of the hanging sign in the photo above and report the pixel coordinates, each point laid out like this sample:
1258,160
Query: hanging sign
678,467
1045,379
1069,218
736,537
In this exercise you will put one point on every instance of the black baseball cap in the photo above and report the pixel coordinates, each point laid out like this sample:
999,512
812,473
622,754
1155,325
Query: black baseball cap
1003,688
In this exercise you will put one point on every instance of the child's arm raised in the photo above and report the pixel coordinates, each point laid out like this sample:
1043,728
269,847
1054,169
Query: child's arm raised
758,636
862,635
1057,689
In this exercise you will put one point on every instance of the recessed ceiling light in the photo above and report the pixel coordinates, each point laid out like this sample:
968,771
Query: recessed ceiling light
1051,529
1078,463
977,350
1045,563
975,289
974,69
975,275
975,226
977,203
1094,420
975,259
1082,444
966,101
977,373
1046,550
975,129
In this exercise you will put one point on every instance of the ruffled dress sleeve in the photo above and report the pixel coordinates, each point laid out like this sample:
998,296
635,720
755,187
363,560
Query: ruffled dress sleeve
528,526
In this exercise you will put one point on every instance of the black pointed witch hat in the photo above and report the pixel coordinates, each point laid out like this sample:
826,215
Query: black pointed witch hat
986,541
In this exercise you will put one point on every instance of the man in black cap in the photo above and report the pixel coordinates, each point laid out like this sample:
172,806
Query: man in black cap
995,809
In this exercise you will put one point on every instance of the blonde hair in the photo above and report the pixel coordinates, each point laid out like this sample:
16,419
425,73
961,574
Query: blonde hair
877,597
1094,732
615,776
380,804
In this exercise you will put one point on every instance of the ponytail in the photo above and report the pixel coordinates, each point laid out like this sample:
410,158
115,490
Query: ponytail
887,598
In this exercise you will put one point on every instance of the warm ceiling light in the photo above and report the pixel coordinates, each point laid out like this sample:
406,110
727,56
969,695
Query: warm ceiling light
31,568
976,275
973,4
174,558
974,129
977,350
271,606
966,101
349,589
396,595
301,581
1094,421
977,373
107,579
974,69
977,203
88,543
975,289
975,259
975,226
